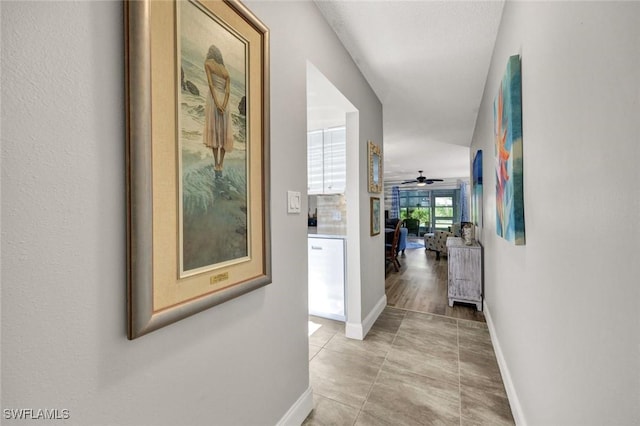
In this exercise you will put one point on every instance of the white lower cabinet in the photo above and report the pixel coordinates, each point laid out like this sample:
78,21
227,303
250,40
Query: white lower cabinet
464,272
326,277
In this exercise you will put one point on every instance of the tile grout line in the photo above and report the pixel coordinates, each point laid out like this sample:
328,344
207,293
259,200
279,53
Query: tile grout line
323,347
395,335
437,315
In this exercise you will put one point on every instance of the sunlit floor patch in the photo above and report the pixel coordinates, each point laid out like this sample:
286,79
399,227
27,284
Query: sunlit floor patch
313,327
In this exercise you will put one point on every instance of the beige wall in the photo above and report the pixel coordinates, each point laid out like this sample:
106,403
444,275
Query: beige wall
565,305
63,233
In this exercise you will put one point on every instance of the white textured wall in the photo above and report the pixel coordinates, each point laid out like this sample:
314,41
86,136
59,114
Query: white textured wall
565,305
63,234
295,24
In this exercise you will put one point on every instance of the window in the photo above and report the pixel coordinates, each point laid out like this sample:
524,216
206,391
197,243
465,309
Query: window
443,212
416,205
433,209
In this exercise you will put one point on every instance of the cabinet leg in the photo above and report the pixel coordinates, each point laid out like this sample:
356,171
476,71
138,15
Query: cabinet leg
450,303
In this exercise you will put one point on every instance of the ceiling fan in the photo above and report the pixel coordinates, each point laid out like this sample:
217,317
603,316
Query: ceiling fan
421,180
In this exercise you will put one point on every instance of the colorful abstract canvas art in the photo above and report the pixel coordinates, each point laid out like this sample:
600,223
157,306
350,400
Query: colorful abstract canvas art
476,197
508,149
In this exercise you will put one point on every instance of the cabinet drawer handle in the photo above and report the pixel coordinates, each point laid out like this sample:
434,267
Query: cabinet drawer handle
316,248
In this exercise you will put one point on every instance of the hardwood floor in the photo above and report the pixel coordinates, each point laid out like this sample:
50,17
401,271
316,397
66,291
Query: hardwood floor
421,285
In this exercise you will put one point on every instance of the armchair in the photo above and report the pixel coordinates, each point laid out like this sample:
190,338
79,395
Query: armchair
413,226
437,242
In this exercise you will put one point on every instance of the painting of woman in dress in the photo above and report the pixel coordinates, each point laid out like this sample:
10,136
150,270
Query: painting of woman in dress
218,134
212,142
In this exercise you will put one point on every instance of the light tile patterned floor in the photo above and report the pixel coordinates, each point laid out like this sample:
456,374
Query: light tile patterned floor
412,369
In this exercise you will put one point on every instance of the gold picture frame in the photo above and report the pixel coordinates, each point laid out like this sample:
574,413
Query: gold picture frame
375,215
198,224
375,168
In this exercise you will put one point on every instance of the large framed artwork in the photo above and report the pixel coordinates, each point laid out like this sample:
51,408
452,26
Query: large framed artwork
375,167
476,195
197,158
508,150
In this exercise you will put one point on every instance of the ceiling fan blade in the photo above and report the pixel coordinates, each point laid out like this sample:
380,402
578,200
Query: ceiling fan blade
421,180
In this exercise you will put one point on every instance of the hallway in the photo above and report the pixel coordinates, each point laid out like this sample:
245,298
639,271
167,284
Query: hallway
413,368
421,285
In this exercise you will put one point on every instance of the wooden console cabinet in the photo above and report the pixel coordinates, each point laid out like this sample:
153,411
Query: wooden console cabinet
464,272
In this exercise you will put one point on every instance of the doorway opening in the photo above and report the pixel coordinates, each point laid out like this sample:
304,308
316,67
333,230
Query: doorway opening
332,191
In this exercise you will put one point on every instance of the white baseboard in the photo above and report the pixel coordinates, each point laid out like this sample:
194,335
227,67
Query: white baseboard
514,401
299,410
358,331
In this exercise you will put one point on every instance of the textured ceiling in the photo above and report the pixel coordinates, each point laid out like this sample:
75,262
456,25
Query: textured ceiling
427,61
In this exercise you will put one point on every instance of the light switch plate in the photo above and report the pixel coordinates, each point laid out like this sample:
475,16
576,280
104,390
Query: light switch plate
293,202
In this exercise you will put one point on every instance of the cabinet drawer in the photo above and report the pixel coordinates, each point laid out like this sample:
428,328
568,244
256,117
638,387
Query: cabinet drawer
464,264
465,289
